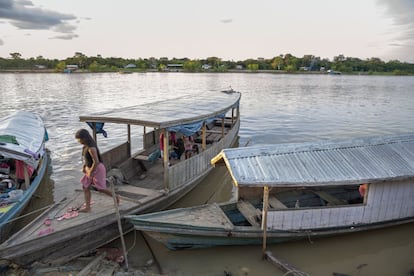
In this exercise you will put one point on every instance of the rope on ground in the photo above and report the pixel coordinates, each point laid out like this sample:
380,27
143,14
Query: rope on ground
134,243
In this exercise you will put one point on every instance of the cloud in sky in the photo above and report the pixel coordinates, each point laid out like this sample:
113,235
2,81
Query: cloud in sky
65,37
364,29
401,12
225,21
1,42
23,15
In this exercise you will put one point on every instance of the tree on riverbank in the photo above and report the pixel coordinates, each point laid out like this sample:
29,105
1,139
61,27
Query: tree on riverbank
282,63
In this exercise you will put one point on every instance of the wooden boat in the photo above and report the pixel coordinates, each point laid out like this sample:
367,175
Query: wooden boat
144,182
297,191
23,164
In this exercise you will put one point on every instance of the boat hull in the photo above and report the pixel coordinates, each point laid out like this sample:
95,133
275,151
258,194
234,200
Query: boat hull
9,219
177,239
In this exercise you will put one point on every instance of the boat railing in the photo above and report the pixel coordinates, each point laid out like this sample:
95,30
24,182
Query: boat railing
116,155
190,169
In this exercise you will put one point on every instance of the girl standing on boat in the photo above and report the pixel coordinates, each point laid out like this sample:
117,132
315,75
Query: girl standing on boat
93,168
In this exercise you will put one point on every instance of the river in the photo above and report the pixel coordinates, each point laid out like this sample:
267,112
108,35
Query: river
275,108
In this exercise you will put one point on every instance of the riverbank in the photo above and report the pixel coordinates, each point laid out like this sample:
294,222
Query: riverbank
51,71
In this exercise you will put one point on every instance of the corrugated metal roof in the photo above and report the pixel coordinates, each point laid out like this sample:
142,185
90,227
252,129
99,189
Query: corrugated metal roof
369,159
166,113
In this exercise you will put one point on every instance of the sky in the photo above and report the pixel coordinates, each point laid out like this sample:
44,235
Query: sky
228,29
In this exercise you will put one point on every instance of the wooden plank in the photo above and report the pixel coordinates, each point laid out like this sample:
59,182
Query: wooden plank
249,212
330,198
141,157
138,190
216,131
284,266
276,203
87,269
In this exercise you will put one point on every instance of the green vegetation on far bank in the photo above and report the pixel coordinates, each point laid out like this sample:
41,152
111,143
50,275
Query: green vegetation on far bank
279,64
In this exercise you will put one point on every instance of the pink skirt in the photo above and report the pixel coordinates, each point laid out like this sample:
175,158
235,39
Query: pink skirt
98,178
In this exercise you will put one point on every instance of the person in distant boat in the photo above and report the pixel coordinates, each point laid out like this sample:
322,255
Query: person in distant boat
93,168
188,145
179,148
363,189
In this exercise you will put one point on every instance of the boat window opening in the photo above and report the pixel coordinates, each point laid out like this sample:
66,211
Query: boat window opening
323,196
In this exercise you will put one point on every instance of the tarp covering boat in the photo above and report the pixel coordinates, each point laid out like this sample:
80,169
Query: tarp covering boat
22,136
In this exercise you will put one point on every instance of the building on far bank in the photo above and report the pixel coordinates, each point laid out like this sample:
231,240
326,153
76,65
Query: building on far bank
70,68
174,67
130,65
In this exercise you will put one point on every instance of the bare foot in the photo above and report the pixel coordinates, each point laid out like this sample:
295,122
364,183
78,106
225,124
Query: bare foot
85,209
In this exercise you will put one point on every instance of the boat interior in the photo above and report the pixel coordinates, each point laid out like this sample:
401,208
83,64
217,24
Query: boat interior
12,179
145,168
248,209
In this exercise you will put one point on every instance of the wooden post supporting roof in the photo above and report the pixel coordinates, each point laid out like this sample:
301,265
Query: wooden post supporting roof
264,217
94,132
203,137
129,139
222,127
26,176
166,156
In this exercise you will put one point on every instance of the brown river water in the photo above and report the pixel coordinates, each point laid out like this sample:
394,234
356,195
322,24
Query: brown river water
274,109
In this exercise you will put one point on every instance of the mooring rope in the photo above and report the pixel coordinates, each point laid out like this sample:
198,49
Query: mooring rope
33,212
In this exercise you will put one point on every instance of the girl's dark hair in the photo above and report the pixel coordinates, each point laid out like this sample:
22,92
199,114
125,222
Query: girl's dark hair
85,136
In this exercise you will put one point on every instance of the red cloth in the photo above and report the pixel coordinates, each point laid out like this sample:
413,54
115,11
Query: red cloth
20,169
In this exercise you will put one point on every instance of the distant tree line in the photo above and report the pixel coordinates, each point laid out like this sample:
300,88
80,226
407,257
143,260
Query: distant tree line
283,63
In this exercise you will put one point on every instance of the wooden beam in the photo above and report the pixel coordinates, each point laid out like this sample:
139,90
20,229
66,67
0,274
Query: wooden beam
89,267
129,139
264,217
26,176
330,198
249,212
166,157
276,203
222,127
284,266
94,132
203,137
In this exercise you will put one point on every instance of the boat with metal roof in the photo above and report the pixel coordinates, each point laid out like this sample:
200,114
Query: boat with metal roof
23,164
144,181
298,191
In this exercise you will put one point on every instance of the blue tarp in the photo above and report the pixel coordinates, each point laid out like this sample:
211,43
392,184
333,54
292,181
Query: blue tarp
99,128
190,129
